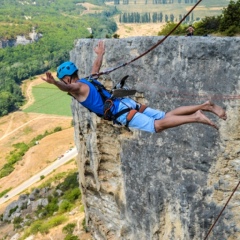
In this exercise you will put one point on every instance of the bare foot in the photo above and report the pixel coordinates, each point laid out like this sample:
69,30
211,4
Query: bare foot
211,107
201,118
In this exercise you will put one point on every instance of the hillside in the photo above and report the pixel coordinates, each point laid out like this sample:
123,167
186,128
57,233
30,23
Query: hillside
59,23
23,127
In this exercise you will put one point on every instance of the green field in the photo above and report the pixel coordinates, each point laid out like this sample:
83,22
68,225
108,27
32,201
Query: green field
144,5
50,100
205,8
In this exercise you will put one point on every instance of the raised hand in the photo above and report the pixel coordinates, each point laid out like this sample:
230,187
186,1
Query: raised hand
100,48
49,78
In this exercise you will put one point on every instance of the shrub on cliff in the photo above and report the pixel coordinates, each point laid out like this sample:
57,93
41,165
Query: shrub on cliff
169,26
207,25
43,226
52,214
65,206
230,20
227,24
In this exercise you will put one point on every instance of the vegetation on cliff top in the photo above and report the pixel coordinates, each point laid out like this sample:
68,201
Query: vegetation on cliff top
226,24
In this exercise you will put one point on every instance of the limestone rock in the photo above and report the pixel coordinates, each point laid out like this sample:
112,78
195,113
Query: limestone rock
171,185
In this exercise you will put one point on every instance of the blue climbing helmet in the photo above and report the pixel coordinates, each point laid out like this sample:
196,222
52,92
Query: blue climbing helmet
66,68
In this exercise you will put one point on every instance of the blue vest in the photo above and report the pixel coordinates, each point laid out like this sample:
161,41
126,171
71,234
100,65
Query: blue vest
94,101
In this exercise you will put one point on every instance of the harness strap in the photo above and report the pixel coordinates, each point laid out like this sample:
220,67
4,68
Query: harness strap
142,108
132,113
107,115
121,112
108,103
130,116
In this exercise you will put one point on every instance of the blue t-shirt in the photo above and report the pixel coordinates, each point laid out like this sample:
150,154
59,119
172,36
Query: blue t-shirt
94,100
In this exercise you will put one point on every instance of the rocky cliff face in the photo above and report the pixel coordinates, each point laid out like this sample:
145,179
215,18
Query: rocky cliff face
171,185
21,40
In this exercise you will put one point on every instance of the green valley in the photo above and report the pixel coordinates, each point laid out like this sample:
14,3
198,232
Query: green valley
60,23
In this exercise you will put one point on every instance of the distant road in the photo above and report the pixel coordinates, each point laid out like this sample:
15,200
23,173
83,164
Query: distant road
59,162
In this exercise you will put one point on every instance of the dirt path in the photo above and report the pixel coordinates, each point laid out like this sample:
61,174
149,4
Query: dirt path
29,96
41,116
8,133
8,128
91,8
138,29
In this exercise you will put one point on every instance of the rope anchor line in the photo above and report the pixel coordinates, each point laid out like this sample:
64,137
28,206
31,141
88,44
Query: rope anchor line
235,189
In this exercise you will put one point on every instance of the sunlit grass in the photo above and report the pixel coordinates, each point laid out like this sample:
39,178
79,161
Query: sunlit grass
43,226
50,100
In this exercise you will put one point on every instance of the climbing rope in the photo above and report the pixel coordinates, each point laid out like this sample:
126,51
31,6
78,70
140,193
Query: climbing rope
235,189
149,50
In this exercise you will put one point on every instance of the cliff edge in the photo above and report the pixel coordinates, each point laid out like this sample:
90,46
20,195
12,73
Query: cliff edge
171,185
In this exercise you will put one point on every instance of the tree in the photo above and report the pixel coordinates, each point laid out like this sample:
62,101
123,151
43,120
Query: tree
192,17
169,26
180,17
231,18
160,17
7,103
166,18
68,229
154,17
207,25
228,23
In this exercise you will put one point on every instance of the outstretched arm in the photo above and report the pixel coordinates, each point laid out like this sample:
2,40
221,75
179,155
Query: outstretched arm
99,50
71,88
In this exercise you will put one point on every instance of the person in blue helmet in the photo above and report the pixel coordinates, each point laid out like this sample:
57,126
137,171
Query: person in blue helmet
92,95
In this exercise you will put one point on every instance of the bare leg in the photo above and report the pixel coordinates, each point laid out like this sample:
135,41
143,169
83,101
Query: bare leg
171,121
207,106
